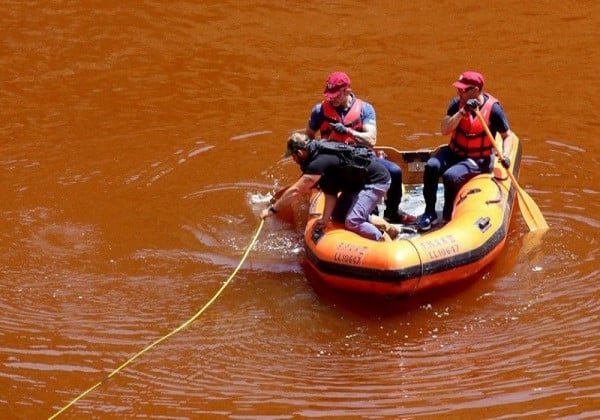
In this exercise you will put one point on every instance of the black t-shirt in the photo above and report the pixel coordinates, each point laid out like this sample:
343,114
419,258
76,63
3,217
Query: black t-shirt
334,178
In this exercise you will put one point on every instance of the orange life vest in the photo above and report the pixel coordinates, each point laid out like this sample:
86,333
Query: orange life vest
469,139
351,119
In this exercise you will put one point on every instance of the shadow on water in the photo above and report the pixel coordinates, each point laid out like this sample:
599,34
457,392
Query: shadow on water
379,306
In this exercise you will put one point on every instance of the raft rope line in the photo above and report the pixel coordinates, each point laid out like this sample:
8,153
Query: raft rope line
176,330
420,263
500,194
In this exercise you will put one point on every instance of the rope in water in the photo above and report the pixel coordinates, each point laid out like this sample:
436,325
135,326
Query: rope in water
176,330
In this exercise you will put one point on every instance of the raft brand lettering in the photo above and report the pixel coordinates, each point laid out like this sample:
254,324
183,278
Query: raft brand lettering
441,247
347,253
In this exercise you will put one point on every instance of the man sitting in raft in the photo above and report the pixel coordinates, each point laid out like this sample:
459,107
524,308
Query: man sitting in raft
470,151
343,117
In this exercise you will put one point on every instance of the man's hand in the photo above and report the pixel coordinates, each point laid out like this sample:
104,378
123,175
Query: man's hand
339,128
471,105
505,162
269,211
319,225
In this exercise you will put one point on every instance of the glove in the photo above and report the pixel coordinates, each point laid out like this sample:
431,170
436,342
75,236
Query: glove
319,225
339,128
471,104
505,162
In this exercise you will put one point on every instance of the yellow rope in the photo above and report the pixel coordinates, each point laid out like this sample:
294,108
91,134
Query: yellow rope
176,330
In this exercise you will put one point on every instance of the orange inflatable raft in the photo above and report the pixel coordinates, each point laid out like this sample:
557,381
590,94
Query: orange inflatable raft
459,250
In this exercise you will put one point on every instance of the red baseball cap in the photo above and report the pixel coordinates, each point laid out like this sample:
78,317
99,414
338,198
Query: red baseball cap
335,83
469,78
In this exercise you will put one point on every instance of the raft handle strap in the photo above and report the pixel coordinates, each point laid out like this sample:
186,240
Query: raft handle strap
497,200
464,196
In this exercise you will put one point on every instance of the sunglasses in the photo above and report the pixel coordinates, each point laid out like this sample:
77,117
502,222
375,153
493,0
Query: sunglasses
465,90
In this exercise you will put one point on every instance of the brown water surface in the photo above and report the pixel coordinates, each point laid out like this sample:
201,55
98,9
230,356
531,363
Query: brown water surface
139,140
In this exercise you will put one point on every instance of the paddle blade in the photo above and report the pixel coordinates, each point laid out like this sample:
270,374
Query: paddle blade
530,211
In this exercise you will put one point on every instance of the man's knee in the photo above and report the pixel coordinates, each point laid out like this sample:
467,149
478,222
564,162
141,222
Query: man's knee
433,165
352,223
394,169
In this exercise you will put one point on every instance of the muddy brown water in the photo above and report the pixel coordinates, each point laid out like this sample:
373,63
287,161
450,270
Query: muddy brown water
138,139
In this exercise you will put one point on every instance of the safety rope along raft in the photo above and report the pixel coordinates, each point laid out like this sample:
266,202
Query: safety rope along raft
176,330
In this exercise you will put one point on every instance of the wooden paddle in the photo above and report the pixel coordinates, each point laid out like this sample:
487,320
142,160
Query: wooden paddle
530,211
